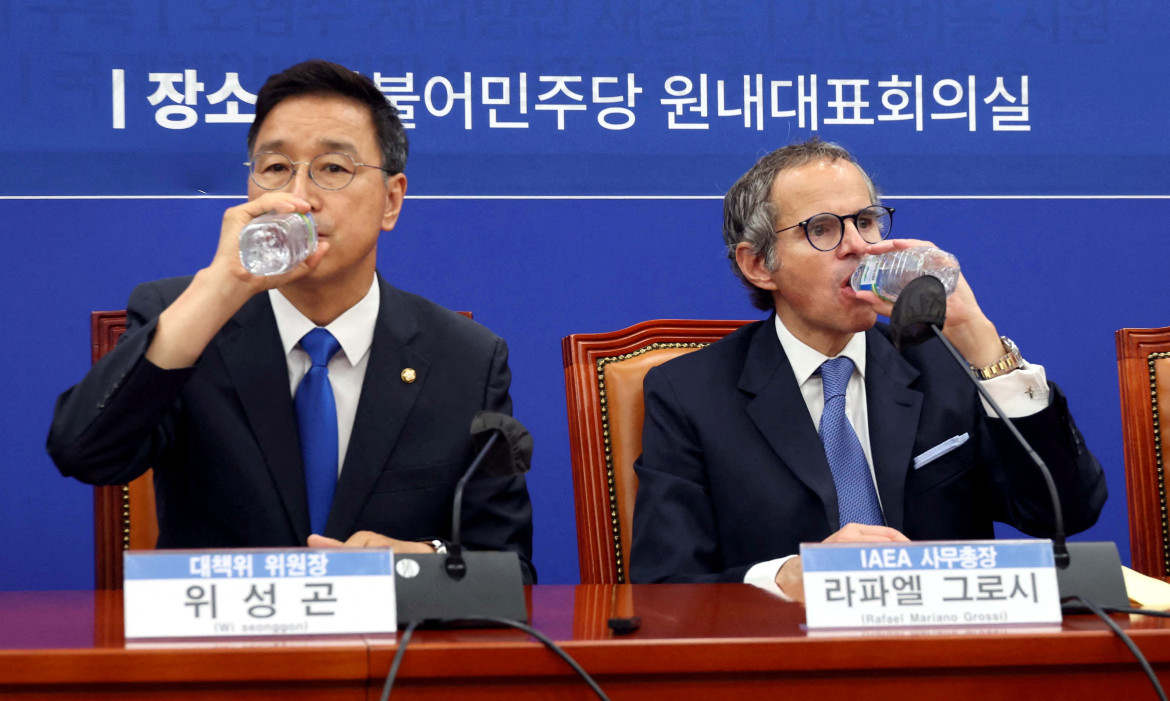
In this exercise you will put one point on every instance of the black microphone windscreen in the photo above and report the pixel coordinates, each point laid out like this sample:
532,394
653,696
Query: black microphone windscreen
921,304
512,453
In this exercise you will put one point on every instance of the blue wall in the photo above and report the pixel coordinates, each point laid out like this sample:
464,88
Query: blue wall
1064,244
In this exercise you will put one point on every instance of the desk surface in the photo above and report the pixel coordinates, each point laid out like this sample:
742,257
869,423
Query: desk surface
695,641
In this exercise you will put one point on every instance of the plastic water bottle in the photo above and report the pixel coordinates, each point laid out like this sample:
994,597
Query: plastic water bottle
274,243
888,274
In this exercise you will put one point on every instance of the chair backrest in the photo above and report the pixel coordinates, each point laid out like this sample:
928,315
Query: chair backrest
123,514
603,387
1143,368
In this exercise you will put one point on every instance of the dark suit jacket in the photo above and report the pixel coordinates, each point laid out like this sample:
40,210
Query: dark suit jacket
733,472
222,435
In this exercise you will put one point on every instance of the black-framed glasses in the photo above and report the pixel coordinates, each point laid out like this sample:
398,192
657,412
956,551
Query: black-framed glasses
330,171
825,231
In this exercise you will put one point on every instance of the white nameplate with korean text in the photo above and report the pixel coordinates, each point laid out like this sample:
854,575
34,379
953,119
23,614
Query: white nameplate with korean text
258,592
939,583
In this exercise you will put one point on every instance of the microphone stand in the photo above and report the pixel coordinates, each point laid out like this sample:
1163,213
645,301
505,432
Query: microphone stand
454,565
1059,546
473,587
1095,571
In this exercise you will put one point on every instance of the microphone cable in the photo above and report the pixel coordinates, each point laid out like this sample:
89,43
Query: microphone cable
1102,613
1129,643
406,635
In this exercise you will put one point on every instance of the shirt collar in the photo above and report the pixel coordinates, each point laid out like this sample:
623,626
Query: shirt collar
354,329
805,361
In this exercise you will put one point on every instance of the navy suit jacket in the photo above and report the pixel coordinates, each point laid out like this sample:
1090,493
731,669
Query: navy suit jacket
733,472
222,435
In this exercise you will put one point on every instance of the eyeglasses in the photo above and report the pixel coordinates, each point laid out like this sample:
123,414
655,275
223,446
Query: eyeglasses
331,171
825,231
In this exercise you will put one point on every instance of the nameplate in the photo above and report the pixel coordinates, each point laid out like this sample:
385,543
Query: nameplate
257,592
937,583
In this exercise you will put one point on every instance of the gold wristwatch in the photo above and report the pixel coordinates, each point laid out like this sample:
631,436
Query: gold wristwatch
1010,361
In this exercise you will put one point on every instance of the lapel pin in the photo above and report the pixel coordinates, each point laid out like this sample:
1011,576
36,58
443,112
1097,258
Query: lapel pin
408,375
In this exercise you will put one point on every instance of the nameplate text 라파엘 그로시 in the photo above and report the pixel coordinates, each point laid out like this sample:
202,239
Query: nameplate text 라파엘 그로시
937,583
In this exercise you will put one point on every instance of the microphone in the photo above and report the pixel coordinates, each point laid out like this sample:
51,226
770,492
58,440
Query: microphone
921,306
505,450
470,587
918,314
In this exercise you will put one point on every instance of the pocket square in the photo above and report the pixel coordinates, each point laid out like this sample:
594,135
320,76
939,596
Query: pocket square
940,450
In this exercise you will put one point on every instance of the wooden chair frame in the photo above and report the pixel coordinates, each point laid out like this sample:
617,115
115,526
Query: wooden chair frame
603,514
1143,368
123,514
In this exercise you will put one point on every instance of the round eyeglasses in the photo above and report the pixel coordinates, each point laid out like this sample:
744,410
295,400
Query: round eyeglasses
330,171
825,231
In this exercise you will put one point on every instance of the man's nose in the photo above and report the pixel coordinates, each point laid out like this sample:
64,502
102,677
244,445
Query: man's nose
301,184
851,241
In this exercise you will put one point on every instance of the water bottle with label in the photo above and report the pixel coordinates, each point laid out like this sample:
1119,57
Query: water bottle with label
888,274
273,243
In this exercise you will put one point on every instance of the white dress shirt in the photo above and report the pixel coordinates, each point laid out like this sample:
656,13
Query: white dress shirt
1020,393
354,330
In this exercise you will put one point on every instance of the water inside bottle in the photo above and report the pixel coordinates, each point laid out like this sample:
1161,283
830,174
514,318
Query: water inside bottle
266,253
949,278
888,274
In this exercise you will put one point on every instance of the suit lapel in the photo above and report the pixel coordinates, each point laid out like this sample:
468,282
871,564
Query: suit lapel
261,383
780,414
385,404
893,410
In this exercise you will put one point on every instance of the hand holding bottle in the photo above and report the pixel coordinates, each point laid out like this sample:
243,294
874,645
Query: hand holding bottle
219,290
971,332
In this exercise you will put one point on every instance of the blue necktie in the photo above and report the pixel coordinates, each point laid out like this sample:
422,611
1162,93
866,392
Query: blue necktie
857,500
317,424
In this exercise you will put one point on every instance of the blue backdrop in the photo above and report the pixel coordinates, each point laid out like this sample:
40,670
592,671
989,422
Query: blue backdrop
1025,137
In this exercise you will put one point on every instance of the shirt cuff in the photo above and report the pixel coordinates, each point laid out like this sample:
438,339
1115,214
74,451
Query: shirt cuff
1019,393
763,575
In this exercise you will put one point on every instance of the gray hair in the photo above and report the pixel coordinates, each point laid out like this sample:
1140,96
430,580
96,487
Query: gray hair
750,217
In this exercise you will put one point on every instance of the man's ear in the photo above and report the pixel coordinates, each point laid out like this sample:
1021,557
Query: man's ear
395,192
753,268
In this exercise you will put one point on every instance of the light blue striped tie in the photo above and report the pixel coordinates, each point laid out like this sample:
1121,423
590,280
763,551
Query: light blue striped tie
317,424
857,500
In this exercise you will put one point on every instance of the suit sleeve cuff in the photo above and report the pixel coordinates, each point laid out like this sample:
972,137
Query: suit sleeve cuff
763,575
1019,393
